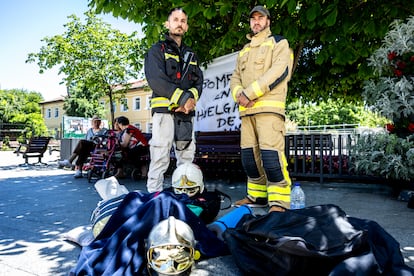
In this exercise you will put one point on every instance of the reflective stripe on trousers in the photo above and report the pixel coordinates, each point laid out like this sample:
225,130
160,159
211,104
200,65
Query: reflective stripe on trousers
263,143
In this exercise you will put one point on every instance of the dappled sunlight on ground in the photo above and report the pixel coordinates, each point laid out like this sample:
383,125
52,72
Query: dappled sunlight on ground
40,204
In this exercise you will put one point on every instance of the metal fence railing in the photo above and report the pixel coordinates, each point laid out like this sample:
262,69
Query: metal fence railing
316,155
325,128
322,156
324,152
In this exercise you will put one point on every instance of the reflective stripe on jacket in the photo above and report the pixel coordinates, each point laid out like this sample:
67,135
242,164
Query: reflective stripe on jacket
173,74
263,70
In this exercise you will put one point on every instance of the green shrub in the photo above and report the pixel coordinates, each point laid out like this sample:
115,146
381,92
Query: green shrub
390,92
383,155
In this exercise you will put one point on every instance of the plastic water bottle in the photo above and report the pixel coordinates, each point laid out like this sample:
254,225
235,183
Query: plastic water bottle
297,197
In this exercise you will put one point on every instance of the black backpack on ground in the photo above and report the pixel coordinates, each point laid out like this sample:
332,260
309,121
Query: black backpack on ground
317,240
211,202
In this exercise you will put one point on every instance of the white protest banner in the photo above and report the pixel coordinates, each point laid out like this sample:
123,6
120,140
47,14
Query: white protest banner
216,109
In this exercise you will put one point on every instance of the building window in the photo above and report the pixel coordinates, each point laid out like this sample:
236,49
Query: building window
124,105
148,103
138,125
114,106
149,128
137,103
56,112
49,113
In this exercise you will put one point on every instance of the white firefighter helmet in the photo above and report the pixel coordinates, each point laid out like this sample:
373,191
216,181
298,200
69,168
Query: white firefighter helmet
188,178
170,248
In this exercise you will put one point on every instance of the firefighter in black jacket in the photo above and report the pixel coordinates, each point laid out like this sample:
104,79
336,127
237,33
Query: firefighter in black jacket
173,73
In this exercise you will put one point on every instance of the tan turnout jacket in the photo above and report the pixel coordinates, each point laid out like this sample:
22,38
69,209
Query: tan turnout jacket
263,69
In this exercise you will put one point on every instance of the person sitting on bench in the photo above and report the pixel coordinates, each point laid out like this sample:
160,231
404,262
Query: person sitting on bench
84,147
133,144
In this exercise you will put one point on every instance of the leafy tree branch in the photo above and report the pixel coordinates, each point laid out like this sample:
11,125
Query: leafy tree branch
94,59
331,39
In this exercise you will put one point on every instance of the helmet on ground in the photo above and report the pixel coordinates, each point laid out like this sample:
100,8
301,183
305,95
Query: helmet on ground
188,178
170,248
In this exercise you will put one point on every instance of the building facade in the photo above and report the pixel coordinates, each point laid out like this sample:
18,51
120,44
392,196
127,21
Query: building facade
52,112
135,106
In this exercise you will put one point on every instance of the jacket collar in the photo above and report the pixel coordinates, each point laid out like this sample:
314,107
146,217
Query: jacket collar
257,39
172,42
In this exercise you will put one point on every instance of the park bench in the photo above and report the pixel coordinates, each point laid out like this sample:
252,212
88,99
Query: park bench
35,148
218,153
54,145
14,145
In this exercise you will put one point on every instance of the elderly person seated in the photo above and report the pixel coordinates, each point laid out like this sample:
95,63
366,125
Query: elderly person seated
84,147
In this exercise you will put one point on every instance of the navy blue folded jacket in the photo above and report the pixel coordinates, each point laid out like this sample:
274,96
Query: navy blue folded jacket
120,248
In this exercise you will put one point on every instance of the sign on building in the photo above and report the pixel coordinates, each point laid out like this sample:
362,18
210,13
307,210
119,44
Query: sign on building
76,127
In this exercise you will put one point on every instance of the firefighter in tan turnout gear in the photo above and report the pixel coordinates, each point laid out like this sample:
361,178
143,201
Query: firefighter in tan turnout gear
259,85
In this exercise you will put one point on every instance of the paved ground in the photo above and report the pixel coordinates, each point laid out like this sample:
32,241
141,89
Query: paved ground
39,204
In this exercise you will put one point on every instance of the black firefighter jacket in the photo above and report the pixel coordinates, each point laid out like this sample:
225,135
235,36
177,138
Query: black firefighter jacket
174,75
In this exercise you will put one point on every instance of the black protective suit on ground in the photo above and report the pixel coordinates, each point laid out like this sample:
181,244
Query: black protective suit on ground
318,240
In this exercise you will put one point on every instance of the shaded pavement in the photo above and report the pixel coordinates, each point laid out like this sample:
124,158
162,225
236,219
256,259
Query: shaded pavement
39,204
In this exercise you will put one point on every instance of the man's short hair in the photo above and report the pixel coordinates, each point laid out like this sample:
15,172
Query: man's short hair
123,120
176,9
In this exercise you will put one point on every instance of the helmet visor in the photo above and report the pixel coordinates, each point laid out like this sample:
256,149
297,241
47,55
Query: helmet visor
170,259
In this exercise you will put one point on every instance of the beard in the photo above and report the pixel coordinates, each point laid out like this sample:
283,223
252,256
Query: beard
258,28
177,32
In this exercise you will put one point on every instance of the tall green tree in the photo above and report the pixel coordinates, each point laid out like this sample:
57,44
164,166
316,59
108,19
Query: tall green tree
331,39
22,107
96,61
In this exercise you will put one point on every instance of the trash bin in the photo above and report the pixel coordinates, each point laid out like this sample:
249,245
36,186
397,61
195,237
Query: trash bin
67,146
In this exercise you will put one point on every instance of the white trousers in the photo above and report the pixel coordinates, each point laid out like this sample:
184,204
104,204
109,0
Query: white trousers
160,148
